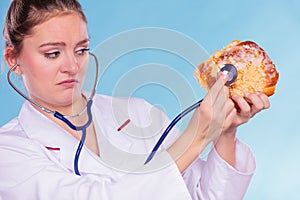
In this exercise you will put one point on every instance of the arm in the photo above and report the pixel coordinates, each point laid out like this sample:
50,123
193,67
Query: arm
215,179
204,127
231,164
216,120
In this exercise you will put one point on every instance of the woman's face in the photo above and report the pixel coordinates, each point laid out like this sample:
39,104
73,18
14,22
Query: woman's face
51,60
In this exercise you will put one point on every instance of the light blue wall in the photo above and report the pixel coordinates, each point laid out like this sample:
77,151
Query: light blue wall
274,135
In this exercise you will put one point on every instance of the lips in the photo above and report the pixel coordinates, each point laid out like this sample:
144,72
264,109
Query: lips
68,83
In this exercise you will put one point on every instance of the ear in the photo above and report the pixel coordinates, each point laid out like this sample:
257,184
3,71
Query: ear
11,59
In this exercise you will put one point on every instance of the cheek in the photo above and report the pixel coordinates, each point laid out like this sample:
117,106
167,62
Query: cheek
37,72
83,69
36,75
31,65
86,72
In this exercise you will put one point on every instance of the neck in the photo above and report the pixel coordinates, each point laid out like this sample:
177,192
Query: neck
73,109
73,112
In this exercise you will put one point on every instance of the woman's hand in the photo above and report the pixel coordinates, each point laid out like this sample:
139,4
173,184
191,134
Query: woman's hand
239,111
208,120
205,126
216,120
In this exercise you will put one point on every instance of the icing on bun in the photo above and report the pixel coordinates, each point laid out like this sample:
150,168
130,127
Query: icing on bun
256,71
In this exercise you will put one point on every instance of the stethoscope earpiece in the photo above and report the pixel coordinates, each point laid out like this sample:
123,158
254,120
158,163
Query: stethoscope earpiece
231,72
61,117
17,70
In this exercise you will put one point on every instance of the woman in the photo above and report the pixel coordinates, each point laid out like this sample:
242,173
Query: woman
47,43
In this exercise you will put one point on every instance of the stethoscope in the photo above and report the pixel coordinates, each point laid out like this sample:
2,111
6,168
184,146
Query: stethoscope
232,74
65,118
228,68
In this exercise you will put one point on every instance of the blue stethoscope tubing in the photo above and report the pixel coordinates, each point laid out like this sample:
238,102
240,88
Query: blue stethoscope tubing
227,67
78,128
64,117
232,76
168,129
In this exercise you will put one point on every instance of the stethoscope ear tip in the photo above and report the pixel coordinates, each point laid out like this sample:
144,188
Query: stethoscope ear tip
232,73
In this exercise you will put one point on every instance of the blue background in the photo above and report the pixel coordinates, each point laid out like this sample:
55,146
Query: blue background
273,134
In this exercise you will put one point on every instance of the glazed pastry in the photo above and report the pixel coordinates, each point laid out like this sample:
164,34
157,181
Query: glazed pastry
256,71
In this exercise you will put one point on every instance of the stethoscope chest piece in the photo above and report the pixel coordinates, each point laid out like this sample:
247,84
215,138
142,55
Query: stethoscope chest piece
232,76
231,72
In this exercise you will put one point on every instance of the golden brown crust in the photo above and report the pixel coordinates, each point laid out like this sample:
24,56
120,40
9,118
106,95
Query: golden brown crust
256,71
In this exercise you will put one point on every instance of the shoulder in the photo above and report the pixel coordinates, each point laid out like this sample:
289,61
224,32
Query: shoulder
14,140
12,128
21,159
16,150
13,135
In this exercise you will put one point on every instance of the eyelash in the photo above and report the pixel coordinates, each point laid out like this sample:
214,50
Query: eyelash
52,55
82,51
55,54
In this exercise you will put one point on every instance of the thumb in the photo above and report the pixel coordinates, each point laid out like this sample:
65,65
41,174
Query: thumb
223,76
219,84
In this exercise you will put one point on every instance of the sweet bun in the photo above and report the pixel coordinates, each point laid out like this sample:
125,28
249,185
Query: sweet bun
256,71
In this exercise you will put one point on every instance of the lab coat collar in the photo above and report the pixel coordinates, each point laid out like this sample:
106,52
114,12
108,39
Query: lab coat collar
38,127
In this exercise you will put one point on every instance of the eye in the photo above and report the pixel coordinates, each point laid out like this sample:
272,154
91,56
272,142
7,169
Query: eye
52,55
82,51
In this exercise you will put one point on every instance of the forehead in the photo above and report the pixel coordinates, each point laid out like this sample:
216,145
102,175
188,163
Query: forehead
67,27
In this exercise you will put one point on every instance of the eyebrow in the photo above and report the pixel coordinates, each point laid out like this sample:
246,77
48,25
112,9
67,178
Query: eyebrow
52,44
83,42
63,44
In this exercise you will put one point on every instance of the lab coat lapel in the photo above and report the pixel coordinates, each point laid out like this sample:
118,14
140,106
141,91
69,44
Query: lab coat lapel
38,127
109,119
49,134
115,147
120,150
137,136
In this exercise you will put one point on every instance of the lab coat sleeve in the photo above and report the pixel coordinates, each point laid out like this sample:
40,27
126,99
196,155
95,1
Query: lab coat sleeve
27,172
215,179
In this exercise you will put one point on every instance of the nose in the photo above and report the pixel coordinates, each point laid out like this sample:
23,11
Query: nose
70,64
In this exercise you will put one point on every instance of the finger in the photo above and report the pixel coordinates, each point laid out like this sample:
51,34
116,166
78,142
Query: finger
220,101
219,90
230,119
222,79
222,105
218,113
230,115
255,101
213,94
243,107
265,99
223,75
229,106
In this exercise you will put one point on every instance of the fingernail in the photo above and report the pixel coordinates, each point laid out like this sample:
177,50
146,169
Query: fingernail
224,76
247,94
224,73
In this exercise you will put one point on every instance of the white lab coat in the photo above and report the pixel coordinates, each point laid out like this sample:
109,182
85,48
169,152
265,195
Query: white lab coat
36,159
